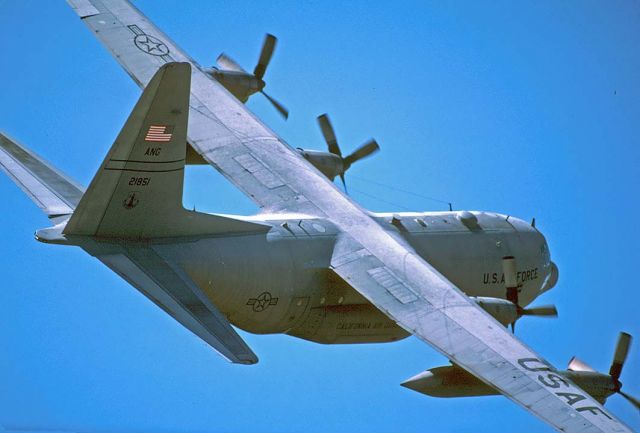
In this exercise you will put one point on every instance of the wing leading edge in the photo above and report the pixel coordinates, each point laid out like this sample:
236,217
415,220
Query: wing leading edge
381,267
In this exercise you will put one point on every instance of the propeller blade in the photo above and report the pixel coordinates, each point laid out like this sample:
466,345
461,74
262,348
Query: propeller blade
622,349
576,364
329,134
265,55
228,64
363,151
634,401
344,184
509,268
510,271
541,311
283,111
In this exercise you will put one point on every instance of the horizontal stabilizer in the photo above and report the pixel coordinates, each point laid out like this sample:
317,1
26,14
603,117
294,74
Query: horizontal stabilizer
52,191
171,289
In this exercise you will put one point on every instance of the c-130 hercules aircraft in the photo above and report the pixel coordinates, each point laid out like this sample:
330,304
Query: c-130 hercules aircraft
313,263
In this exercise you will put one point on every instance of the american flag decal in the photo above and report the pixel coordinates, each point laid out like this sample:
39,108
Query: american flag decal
159,133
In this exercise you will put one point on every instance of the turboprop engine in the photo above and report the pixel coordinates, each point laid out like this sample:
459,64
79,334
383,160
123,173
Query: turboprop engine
243,84
332,163
453,381
506,312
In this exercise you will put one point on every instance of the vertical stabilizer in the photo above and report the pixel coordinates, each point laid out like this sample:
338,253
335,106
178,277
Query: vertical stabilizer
137,192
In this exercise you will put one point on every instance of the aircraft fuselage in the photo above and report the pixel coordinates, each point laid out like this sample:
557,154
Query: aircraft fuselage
281,282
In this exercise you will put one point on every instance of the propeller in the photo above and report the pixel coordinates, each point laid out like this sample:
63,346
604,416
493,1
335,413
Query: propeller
269,44
361,152
634,401
510,270
278,106
265,57
541,311
619,357
227,63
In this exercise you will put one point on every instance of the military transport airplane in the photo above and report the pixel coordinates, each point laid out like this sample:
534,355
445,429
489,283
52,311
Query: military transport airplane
312,263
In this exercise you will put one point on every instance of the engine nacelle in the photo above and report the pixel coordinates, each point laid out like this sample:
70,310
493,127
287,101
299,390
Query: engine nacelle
329,164
240,84
600,386
505,312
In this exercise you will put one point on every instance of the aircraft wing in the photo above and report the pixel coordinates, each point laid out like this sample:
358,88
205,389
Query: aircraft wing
425,303
221,129
376,263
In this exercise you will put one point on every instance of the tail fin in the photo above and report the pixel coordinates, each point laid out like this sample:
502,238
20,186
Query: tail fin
137,192
52,191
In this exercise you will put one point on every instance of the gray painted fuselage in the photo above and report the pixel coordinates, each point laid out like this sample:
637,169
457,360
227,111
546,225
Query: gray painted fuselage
280,282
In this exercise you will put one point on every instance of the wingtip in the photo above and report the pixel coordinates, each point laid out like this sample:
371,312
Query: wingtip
251,360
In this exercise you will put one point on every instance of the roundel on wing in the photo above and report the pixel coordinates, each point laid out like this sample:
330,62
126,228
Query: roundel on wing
151,45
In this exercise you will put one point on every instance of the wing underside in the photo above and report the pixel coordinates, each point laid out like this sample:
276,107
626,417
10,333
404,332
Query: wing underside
377,264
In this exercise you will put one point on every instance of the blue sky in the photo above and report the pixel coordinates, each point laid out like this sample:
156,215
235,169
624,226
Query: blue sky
527,108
